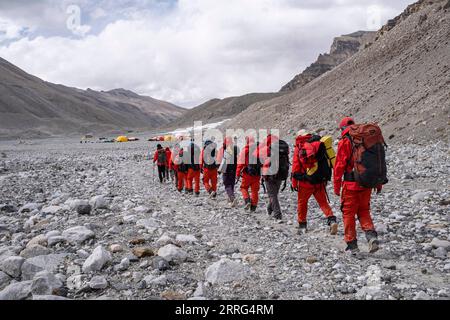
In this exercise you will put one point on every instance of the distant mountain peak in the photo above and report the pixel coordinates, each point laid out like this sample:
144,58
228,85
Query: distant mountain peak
343,47
123,92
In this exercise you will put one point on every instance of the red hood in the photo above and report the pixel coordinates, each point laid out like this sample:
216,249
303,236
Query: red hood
302,139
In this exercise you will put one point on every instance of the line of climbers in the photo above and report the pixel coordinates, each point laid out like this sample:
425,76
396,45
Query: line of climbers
358,168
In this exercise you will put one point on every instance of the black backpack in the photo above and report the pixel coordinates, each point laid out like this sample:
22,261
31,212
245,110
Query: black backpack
209,156
195,156
254,169
162,157
283,164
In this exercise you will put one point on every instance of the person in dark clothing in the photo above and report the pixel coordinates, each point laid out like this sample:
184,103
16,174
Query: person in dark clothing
193,176
274,152
227,158
160,158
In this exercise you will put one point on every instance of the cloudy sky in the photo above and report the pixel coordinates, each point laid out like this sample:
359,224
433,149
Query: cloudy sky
185,51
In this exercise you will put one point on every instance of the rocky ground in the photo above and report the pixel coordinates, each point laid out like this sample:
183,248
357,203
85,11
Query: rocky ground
88,221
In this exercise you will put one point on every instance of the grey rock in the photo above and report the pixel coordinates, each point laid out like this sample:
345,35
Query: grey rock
421,295
440,253
45,283
75,282
48,262
150,224
172,253
30,207
12,266
84,209
98,202
34,251
152,280
98,283
51,209
226,270
78,235
160,264
16,291
437,243
4,280
123,265
184,238
97,260
52,241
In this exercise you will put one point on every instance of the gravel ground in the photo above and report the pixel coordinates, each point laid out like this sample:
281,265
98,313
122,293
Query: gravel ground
89,221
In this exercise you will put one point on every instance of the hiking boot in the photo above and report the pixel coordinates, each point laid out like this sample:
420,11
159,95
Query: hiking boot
253,208
278,217
302,228
374,245
234,203
352,247
213,195
269,209
333,225
247,205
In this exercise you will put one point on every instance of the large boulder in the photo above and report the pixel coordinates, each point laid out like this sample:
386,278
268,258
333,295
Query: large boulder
172,253
12,266
45,283
97,260
78,234
16,291
34,265
226,270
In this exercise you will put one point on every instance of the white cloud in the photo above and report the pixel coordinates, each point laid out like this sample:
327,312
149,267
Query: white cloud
200,49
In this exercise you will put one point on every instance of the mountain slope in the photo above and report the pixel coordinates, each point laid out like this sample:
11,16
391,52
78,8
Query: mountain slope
401,81
31,107
220,109
343,47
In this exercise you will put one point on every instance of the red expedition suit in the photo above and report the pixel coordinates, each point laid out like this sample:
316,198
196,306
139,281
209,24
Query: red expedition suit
355,200
248,181
305,188
209,174
193,175
180,170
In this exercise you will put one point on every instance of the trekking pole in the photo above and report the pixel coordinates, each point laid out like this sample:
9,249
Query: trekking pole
284,186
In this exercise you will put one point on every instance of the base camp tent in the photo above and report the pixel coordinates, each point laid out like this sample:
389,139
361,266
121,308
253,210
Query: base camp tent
121,139
169,138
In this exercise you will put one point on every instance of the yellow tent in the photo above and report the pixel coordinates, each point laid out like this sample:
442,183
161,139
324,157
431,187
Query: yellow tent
122,139
169,138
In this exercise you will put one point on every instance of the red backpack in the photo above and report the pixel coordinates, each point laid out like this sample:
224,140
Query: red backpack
369,155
